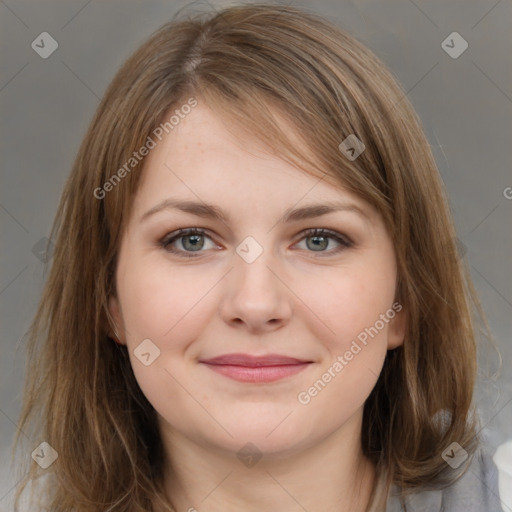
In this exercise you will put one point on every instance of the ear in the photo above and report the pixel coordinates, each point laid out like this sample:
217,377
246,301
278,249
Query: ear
116,332
397,327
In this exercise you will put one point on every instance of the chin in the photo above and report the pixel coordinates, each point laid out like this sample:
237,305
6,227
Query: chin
276,435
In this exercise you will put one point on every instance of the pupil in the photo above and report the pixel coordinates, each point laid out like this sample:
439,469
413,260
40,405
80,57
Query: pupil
322,244
195,241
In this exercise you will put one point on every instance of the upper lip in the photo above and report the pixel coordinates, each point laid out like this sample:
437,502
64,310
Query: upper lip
254,361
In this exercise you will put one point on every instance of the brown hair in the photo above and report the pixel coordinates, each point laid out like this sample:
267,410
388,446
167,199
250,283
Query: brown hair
249,63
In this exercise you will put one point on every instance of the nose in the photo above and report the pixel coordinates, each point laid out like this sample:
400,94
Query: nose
256,297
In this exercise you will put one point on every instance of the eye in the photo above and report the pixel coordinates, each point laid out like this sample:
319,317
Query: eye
192,241
319,240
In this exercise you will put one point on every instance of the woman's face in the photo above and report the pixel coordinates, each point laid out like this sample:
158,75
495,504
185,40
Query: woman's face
254,284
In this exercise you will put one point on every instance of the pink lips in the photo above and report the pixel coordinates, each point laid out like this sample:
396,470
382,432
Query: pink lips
247,368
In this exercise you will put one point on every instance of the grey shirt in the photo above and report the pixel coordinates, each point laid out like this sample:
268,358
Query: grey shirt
476,491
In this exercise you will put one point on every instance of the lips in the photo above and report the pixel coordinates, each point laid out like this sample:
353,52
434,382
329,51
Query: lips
250,361
249,368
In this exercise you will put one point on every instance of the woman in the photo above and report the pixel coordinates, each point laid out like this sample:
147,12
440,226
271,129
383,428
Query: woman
256,301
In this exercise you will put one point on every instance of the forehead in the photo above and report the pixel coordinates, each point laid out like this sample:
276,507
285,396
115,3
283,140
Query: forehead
206,157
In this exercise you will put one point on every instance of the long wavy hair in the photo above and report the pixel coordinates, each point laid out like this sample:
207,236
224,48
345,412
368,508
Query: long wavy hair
247,63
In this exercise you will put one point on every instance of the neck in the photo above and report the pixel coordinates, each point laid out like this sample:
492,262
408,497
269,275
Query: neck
333,475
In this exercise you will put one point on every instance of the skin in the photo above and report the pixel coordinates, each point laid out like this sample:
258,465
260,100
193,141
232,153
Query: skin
292,300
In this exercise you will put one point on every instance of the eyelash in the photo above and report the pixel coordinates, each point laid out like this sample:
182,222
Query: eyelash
321,232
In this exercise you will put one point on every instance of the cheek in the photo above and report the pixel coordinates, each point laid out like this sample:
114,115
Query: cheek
357,309
159,303
171,309
351,302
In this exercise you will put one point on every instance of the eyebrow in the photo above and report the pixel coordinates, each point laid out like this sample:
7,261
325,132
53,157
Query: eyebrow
205,210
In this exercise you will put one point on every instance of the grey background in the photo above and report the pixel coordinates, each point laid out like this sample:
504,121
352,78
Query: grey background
47,104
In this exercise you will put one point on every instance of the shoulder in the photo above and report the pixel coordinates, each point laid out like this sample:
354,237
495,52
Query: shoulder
475,491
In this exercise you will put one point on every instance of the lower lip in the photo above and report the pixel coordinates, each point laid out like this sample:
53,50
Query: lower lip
259,373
